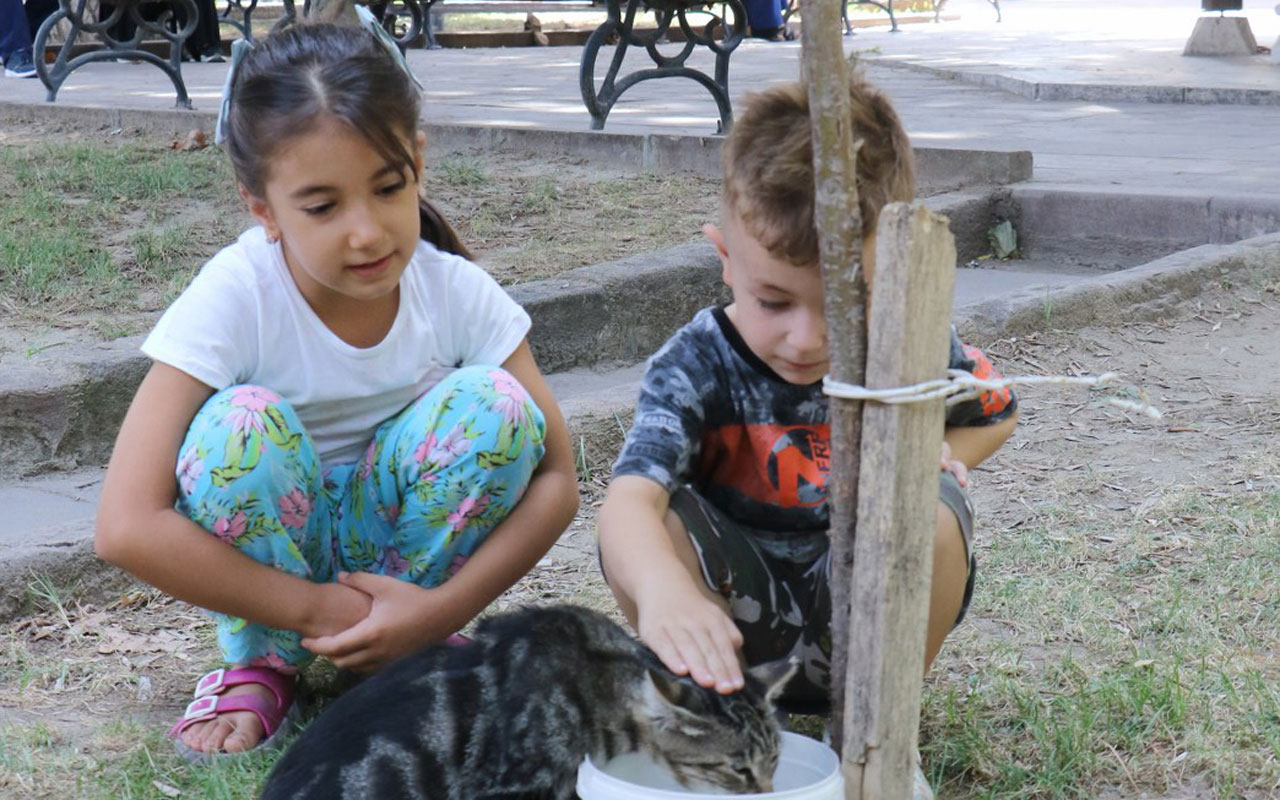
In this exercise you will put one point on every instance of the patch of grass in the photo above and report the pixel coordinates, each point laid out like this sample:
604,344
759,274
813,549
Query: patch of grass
541,196
70,232
150,766
103,173
460,171
1126,656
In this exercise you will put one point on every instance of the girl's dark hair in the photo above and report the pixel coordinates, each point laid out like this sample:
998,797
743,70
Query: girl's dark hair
306,72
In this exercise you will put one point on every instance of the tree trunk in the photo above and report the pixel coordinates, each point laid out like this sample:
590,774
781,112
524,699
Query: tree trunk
840,247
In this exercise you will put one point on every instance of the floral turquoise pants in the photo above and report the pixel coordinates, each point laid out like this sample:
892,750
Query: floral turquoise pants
435,480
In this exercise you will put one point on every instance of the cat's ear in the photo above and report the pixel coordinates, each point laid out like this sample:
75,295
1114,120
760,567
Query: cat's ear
774,675
668,700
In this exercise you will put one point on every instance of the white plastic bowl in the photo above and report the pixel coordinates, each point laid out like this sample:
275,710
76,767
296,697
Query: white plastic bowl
807,770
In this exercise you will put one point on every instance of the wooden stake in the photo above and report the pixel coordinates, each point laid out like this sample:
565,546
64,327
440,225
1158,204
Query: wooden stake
840,248
910,314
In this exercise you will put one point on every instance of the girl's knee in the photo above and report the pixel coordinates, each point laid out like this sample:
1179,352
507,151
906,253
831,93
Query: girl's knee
489,381
247,466
498,396
241,426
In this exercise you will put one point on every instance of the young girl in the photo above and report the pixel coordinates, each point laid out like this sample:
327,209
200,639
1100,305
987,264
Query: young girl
344,445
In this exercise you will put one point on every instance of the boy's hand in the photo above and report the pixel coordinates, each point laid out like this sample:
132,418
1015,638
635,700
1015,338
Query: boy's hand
400,621
693,636
957,468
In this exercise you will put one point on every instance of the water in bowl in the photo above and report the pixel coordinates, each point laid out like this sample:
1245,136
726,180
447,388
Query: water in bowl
807,770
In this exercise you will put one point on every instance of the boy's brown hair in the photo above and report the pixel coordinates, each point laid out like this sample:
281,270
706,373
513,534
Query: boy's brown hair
768,166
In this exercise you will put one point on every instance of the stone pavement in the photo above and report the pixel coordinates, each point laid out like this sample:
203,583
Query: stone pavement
1104,51
967,84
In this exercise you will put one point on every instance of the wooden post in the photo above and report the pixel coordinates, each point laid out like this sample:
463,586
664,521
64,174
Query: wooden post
883,477
840,249
910,314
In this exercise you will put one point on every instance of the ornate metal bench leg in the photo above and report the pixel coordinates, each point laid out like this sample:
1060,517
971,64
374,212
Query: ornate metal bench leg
721,94
53,76
599,103
999,16
884,5
289,16
244,24
402,20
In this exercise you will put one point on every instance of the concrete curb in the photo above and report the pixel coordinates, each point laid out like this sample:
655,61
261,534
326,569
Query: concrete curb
65,555
60,409
1088,92
1147,292
1123,227
937,169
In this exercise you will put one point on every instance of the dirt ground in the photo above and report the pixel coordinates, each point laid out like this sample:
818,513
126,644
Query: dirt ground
75,674
524,217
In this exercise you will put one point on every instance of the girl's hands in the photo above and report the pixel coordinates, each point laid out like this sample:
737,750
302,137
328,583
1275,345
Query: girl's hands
693,636
403,617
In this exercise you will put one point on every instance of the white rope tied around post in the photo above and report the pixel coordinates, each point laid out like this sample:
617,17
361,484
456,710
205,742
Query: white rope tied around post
960,385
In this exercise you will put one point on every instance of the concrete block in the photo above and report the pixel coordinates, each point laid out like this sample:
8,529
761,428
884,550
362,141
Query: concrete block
970,214
1221,36
1231,96
620,311
1121,228
1105,93
946,169
1232,219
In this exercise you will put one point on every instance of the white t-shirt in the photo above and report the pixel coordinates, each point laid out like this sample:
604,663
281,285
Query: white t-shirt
243,320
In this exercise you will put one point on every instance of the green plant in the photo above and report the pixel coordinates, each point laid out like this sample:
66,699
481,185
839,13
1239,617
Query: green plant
461,171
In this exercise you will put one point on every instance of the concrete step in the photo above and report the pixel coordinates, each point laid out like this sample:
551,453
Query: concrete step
46,531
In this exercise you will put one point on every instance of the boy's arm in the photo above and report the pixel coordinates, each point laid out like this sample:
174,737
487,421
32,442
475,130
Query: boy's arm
660,593
976,428
973,445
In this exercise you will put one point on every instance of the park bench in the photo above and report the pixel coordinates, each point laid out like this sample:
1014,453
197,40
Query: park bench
404,20
82,19
718,34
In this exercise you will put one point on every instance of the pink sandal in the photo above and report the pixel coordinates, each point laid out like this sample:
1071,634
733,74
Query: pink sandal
277,718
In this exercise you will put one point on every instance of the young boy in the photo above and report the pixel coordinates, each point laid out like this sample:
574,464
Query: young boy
713,534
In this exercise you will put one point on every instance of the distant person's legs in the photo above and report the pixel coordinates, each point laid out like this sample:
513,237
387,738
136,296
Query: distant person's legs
205,42
37,11
15,40
765,19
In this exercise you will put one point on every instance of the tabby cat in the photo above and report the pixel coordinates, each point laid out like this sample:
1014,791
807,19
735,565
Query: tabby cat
512,713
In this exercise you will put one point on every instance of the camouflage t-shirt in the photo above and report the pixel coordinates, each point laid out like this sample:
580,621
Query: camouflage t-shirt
714,416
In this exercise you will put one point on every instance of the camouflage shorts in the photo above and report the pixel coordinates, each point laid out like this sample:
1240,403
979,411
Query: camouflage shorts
783,607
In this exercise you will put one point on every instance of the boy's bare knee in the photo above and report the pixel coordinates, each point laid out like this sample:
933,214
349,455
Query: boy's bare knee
950,556
950,574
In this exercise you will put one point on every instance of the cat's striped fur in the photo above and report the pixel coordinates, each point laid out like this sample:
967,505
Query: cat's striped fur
512,714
